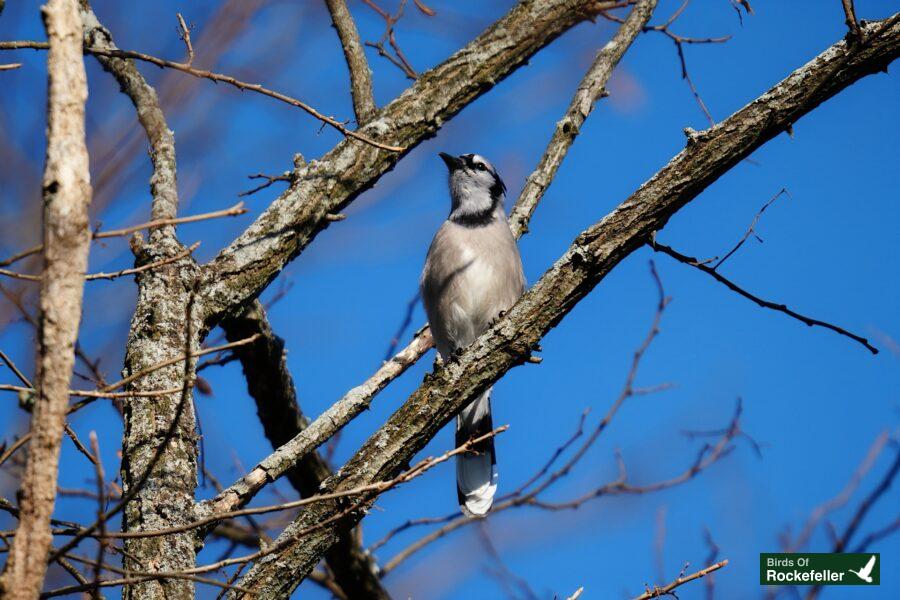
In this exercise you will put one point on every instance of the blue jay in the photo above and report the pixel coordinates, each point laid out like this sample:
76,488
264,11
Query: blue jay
473,273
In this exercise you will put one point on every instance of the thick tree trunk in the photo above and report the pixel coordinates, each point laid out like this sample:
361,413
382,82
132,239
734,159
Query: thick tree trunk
159,449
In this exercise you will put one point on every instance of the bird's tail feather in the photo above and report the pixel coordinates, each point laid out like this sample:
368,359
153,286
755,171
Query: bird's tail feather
476,472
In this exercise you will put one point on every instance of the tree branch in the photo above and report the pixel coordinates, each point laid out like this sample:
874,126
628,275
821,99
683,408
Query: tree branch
711,271
270,384
667,590
591,88
67,237
360,76
162,63
592,255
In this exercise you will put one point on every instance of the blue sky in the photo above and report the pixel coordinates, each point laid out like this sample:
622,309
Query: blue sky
815,401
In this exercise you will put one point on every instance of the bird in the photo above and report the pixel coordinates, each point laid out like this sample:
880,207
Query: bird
866,572
472,275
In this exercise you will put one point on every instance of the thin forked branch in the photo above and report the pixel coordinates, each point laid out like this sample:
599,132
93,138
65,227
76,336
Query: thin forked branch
668,590
782,308
218,78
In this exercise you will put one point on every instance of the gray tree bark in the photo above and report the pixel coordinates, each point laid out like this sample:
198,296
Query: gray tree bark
67,237
159,454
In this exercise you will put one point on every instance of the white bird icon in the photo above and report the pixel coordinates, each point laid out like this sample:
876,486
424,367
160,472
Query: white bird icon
866,572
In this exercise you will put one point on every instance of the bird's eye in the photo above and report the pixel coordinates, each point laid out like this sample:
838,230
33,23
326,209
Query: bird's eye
480,167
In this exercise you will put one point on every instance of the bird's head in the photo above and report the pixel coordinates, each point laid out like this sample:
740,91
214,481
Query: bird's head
476,190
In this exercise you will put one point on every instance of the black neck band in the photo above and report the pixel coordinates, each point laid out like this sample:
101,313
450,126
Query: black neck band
476,219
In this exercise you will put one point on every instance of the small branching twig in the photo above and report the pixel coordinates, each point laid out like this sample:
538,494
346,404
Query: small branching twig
398,59
693,262
841,541
184,32
666,590
270,179
218,78
751,230
234,211
680,41
404,325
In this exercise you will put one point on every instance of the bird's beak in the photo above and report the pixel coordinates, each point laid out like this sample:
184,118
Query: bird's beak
452,162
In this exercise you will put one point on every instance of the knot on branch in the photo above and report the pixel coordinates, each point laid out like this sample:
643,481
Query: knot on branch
693,136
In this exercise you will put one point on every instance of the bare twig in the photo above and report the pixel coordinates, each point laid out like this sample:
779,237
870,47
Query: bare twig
134,376
879,534
666,590
514,584
404,325
154,265
842,541
270,179
121,273
10,66
12,367
883,486
79,445
237,209
219,78
398,59
680,41
184,32
13,447
693,262
136,577
841,499
751,230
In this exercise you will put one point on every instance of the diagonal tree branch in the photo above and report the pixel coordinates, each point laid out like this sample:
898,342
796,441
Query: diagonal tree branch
241,271
67,237
669,588
360,75
591,88
270,384
711,271
590,258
